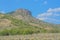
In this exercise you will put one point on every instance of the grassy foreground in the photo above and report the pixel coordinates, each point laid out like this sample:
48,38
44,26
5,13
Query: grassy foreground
41,36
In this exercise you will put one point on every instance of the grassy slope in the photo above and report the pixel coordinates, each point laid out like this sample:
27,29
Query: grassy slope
19,27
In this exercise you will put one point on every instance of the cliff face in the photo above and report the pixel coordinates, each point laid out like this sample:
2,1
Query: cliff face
22,14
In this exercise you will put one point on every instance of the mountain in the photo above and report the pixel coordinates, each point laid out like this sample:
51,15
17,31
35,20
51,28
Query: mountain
21,22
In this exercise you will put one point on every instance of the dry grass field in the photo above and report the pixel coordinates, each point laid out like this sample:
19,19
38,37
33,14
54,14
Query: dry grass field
41,36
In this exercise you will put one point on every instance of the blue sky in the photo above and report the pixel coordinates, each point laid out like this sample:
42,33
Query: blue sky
47,10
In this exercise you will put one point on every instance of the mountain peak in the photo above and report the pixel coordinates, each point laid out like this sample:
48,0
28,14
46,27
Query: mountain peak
23,11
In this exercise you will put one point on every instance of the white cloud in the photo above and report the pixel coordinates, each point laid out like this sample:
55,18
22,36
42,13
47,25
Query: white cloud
50,14
45,14
54,10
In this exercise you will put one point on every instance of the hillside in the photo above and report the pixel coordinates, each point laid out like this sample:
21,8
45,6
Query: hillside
21,22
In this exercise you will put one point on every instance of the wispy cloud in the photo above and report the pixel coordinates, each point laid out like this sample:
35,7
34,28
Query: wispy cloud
51,15
45,2
2,12
36,0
